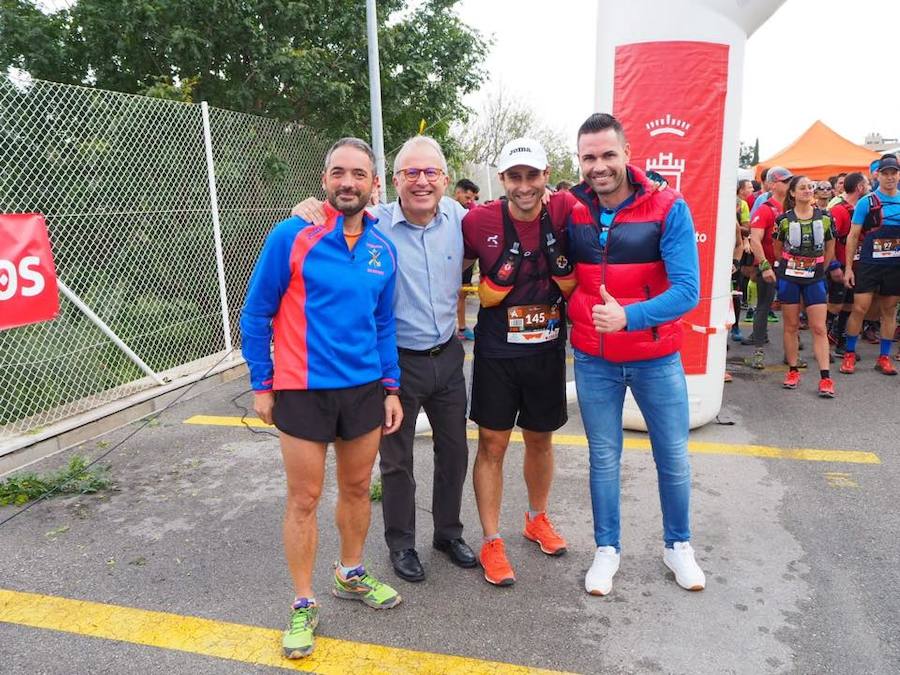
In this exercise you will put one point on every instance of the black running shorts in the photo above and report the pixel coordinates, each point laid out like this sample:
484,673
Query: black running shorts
528,391
321,415
876,278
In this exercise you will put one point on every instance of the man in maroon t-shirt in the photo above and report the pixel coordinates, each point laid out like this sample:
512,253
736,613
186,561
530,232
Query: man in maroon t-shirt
762,229
519,373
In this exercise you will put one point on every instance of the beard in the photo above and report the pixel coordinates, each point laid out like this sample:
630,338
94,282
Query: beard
339,200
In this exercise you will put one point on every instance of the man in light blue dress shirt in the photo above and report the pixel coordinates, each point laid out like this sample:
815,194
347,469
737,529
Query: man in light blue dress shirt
425,226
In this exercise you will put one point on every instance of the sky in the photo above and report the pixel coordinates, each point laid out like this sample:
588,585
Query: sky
544,54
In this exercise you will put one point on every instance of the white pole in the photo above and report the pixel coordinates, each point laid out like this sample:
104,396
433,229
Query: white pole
704,138
375,94
217,229
108,332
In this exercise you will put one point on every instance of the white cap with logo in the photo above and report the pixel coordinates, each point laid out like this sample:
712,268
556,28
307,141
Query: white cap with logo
522,152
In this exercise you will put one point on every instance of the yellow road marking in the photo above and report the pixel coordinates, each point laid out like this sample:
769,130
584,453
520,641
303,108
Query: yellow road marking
694,447
707,448
836,479
227,421
232,641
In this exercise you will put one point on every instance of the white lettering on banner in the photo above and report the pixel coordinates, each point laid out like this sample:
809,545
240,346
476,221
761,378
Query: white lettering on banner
665,163
8,279
668,125
10,275
668,167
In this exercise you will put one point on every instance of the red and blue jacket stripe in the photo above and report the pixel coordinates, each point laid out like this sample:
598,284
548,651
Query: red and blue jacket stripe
649,265
328,308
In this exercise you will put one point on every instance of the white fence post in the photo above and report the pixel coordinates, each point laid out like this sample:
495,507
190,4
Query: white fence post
108,332
217,229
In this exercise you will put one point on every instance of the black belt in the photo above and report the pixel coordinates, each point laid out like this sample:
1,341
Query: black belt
434,351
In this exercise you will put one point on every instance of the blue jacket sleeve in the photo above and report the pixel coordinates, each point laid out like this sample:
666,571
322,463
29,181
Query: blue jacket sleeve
679,253
387,332
268,283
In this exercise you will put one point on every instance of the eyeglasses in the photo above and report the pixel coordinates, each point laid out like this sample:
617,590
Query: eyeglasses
823,187
412,175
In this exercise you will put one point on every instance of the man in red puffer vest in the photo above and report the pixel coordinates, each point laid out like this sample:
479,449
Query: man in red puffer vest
637,268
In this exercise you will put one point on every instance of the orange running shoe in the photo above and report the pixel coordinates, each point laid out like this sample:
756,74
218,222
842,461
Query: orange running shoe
540,529
826,388
885,366
848,365
791,380
497,569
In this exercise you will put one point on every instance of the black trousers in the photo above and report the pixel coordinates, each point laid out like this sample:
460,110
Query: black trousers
765,294
435,384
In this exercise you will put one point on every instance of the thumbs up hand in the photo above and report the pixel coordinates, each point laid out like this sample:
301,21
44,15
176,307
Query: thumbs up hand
610,316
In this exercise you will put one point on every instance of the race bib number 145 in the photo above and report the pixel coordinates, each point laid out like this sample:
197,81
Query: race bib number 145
532,323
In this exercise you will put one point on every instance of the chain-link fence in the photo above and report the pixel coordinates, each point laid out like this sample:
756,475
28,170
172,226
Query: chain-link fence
123,183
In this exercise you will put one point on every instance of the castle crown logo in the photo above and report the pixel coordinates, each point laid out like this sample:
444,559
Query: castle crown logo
668,125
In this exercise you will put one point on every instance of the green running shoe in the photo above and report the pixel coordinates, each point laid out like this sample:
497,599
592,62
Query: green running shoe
360,585
298,640
757,361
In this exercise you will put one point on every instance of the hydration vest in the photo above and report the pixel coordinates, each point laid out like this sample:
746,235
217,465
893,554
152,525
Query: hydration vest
795,266
500,280
795,235
874,216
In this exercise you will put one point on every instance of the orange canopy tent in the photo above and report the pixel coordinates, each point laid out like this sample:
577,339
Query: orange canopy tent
819,153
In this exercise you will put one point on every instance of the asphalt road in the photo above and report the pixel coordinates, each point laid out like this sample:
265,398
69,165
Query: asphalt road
800,556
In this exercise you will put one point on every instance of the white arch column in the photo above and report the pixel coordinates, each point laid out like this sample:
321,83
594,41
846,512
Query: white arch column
672,72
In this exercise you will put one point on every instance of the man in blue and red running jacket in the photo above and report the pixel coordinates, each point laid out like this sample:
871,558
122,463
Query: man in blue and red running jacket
325,293
637,268
425,226
875,238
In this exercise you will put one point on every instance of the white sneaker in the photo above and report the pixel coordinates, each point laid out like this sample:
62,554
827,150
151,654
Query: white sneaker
680,560
598,580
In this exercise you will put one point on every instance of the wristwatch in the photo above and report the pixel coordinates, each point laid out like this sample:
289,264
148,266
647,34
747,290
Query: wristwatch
391,392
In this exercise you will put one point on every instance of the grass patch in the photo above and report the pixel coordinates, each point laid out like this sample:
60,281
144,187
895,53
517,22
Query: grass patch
75,478
375,490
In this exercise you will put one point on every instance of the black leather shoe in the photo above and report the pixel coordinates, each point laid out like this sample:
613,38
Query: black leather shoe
407,566
459,552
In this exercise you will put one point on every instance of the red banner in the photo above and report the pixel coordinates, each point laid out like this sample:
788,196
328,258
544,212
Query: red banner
670,97
28,292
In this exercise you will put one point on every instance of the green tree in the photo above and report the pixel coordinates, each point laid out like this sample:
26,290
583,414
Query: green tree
748,155
302,60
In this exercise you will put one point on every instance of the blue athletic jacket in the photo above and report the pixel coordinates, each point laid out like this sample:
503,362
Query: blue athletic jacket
330,309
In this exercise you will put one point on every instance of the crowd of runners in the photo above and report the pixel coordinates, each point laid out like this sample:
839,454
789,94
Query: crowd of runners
827,253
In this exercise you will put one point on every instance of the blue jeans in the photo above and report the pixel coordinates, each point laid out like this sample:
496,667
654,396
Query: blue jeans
659,387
